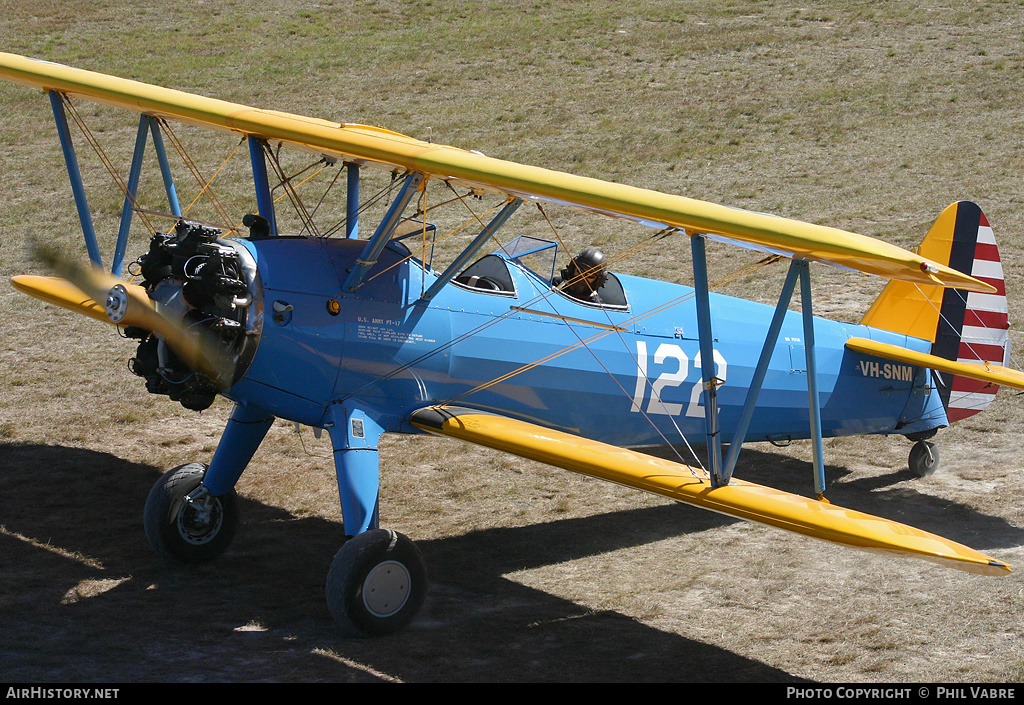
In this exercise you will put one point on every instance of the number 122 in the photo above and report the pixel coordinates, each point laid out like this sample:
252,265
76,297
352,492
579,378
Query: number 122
666,380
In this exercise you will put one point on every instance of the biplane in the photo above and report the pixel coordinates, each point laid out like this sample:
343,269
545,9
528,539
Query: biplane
361,336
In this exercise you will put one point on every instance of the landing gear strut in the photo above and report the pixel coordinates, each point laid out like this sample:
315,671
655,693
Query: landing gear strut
377,581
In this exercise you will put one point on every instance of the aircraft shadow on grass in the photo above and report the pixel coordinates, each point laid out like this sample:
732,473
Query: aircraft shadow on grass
80,584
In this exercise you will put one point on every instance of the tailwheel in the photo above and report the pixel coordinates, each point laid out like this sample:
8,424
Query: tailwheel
924,458
184,522
376,584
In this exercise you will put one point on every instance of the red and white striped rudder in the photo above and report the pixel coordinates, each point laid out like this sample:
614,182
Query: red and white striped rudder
972,327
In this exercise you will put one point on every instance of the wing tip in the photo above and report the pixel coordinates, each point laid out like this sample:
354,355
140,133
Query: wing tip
1000,567
978,564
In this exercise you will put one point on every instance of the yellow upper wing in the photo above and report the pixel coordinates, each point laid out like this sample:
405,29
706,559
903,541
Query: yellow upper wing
372,145
744,500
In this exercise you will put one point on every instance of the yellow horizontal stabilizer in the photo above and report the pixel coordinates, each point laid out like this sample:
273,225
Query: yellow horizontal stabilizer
983,371
369,145
739,499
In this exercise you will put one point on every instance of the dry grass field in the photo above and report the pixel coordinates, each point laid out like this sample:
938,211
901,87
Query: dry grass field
862,115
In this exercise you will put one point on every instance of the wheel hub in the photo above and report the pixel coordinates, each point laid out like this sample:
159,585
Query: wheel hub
199,519
386,588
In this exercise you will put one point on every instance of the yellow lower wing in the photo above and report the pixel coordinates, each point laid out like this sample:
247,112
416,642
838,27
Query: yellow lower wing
984,371
740,499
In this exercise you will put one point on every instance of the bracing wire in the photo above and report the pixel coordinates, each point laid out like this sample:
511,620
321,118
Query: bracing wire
364,205
943,319
285,183
105,160
422,254
205,185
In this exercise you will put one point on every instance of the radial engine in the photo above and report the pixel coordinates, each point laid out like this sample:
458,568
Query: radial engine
211,285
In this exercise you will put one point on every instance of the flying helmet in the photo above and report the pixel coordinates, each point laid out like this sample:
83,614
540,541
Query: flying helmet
589,262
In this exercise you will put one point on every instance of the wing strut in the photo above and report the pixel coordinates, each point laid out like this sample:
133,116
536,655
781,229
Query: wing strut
352,202
129,197
375,245
721,474
165,168
754,390
813,402
75,174
147,125
707,358
261,182
474,247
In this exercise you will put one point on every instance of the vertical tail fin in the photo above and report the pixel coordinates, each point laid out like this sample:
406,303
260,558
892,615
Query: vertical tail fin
964,326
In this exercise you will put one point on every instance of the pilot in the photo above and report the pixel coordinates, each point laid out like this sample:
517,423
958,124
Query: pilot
584,275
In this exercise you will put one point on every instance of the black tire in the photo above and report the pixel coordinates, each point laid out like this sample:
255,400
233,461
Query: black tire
376,584
924,459
184,531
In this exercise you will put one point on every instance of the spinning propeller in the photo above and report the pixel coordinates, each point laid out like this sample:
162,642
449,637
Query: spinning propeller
93,292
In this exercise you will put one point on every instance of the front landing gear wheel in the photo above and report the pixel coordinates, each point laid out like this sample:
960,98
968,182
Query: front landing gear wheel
376,584
924,459
184,522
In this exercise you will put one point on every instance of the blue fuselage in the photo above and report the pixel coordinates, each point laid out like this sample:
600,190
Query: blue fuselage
627,374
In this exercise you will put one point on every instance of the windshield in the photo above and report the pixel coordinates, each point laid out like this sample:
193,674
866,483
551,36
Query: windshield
537,255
